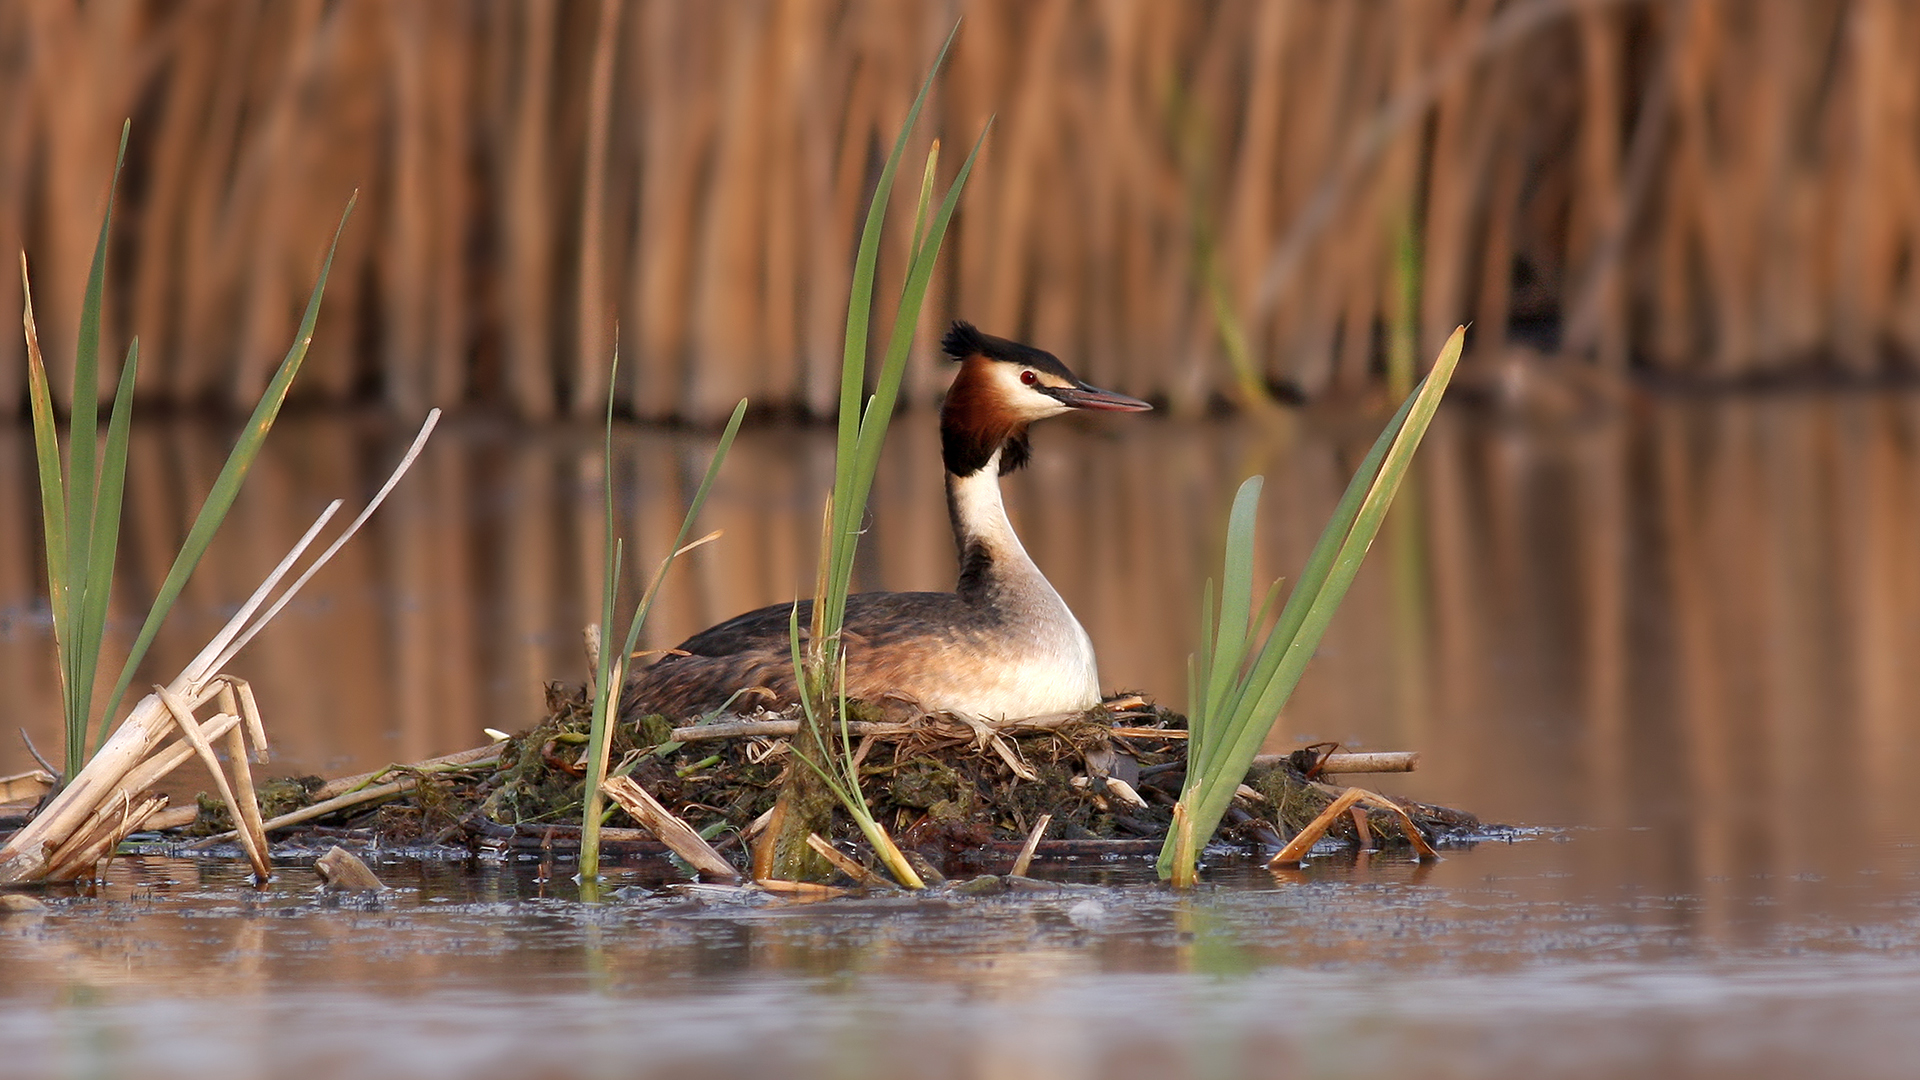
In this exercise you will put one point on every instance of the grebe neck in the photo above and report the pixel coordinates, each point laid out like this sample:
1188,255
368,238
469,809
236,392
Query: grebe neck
992,560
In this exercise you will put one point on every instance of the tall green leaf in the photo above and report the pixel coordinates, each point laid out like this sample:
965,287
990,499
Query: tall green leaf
879,413
853,366
226,486
53,513
105,542
606,701
820,667
1235,704
86,583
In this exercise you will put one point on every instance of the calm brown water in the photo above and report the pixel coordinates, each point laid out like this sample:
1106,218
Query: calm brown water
1681,633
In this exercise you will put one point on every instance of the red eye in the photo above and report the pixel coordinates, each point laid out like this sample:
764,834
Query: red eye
1029,378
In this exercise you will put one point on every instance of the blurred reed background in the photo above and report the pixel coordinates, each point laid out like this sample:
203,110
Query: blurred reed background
1710,189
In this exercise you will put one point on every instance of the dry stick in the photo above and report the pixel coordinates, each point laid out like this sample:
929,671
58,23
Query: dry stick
249,803
1381,762
1298,847
255,845
672,831
202,666
845,865
343,870
406,462
27,785
249,711
465,757
34,753
1421,849
317,810
363,795
801,890
1021,864
173,817
91,846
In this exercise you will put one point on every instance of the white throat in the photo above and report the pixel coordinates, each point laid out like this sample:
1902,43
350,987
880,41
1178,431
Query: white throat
1050,650
980,517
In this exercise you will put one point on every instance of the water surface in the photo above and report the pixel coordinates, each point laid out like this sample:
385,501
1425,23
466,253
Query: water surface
1678,633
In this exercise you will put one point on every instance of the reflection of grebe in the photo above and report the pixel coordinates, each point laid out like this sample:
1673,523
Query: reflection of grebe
1001,645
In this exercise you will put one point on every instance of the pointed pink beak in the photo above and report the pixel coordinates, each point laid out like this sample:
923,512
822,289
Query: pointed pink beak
1083,396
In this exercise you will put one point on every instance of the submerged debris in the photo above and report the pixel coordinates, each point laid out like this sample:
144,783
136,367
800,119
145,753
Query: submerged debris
342,871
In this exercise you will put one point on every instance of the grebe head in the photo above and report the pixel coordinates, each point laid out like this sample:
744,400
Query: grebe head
1002,387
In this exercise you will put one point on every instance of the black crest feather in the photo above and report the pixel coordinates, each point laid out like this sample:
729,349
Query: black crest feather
963,339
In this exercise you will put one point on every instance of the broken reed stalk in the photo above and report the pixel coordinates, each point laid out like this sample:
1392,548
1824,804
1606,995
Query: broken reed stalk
609,674
1025,859
81,512
801,890
1382,761
819,657
682,838
1239,683
861,875
1350,800
346,784
22,787
133,759
349,792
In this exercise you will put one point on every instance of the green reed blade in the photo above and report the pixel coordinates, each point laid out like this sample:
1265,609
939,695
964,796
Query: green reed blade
827,612
226,486
82,653
105,542
925,200
1319,563
1228,655
53,515
606,701
853,359
873,426
605,694
686,524
1199,665
604,667
1230,742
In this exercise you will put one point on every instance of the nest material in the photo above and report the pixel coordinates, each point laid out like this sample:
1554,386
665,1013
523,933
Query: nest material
941,786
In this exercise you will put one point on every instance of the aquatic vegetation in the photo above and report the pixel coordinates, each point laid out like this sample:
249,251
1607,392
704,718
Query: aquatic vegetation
81,510
609,665
1238,684
113,793
818,656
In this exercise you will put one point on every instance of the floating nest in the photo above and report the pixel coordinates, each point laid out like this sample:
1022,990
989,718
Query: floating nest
961,795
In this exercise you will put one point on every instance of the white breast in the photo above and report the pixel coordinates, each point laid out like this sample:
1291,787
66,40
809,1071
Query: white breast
1045,664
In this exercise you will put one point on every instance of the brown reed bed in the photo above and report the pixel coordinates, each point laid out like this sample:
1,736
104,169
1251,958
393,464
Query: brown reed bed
1716,189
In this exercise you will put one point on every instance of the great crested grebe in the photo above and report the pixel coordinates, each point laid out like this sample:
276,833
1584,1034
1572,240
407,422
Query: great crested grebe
1002,645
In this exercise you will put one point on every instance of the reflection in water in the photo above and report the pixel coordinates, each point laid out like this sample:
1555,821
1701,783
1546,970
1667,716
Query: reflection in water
1496,963
1682,631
